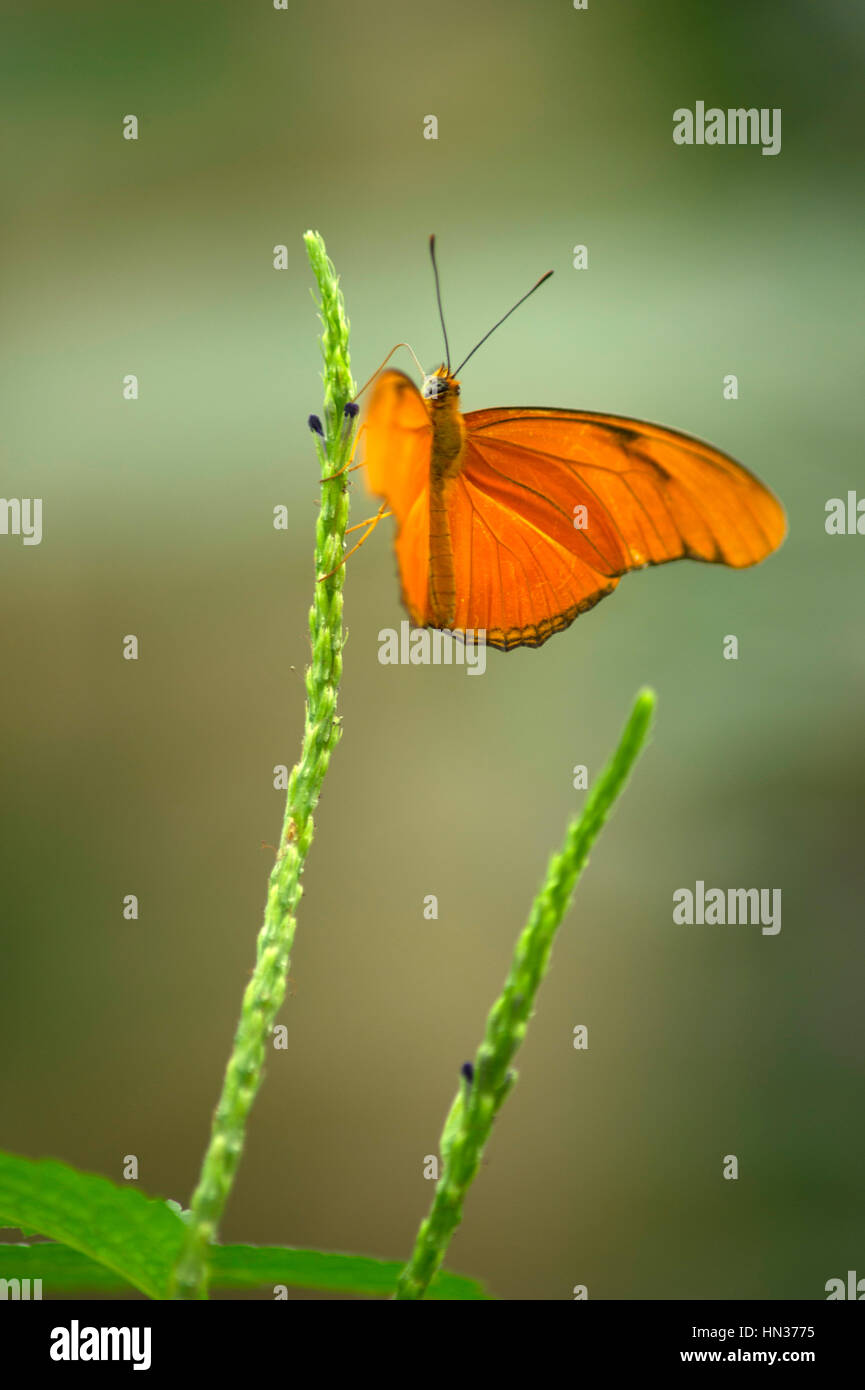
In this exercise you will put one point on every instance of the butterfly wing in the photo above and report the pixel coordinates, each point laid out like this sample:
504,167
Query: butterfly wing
528,562
397,447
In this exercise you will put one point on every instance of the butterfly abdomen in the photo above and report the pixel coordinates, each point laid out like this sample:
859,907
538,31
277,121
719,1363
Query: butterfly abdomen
442,581
448,439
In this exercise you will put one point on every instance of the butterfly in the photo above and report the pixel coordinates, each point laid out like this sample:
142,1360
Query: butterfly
513,521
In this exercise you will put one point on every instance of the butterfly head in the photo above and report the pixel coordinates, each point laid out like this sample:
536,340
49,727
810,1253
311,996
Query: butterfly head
440,387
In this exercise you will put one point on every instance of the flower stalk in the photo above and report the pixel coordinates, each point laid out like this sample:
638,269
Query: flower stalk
265,992
485,1083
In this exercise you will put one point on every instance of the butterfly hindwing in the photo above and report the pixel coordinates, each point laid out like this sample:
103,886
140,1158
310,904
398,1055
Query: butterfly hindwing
526,577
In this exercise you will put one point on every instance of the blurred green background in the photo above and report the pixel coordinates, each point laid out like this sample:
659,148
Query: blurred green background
155,777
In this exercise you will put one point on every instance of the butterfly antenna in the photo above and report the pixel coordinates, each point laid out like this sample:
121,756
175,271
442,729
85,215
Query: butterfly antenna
536,286
432,251
371,379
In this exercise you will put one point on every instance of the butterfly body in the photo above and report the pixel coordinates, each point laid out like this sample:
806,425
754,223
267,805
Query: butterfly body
441,398
440,394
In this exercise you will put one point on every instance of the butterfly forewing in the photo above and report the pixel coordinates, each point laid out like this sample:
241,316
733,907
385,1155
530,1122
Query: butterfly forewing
667,494
397,443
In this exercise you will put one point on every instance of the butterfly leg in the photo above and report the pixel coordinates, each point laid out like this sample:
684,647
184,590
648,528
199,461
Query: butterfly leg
370,524
347,467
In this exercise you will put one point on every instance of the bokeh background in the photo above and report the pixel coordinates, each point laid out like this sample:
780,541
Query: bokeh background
155,777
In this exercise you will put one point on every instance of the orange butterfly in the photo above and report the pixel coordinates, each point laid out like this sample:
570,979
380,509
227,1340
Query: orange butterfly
513,521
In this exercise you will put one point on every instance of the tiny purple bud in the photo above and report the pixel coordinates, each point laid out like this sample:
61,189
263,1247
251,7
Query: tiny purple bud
351,410
467,1070
315,425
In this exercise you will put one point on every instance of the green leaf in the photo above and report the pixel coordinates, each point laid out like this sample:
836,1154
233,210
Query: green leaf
137,1237
109,1237
60,1268
235,1267
248,1266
